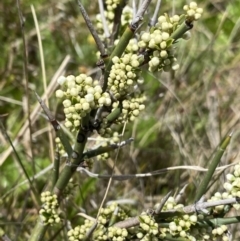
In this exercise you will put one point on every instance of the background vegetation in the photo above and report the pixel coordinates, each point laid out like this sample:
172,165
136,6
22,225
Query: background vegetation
187,114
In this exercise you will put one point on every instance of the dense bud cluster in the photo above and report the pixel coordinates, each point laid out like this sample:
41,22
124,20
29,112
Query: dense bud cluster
49,211
220,232
131,108
159,42
171,204
148,227
232,186
117,234
181,226
112,212
79,232
123,76
193,12
218,196
80,95
104,231
111,4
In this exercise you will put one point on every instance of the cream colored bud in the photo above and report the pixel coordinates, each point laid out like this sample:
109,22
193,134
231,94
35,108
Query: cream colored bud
108,102
115,59
89,80
162,19
61,80
85,106
67,103
165,36
163,45
68,124
146,37
73,92
59,93
134,63
193,5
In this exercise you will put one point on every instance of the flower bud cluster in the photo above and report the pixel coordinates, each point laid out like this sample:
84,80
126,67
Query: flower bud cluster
111,4
131,108
220,232
218,196
159,41
80,95
102,232
49,211
148,227
117,234
79,233
171,204
182,225
232,186
113,211
123,76
193,12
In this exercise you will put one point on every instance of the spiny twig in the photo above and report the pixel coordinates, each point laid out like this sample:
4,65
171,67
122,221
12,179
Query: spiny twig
92,30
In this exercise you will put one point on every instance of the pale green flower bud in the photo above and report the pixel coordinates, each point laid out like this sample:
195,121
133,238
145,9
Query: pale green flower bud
101,101
197,16
115,60
108,102
164,54
73,92
155,61
142,44
157,39
146,37
173,226
193,5
162,19
190,12
175,67
129,82
165,35
227,186
175,18
152,44
89,81
61,80
134,63
199,10
89,97
85,106
59,93
67,103
163,45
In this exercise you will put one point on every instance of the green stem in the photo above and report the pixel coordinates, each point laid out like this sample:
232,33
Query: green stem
70,168
38,231
115,114
118,51
212,167
182,29
55,171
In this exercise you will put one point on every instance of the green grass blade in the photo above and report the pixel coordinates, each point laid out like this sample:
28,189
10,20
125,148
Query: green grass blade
212,167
